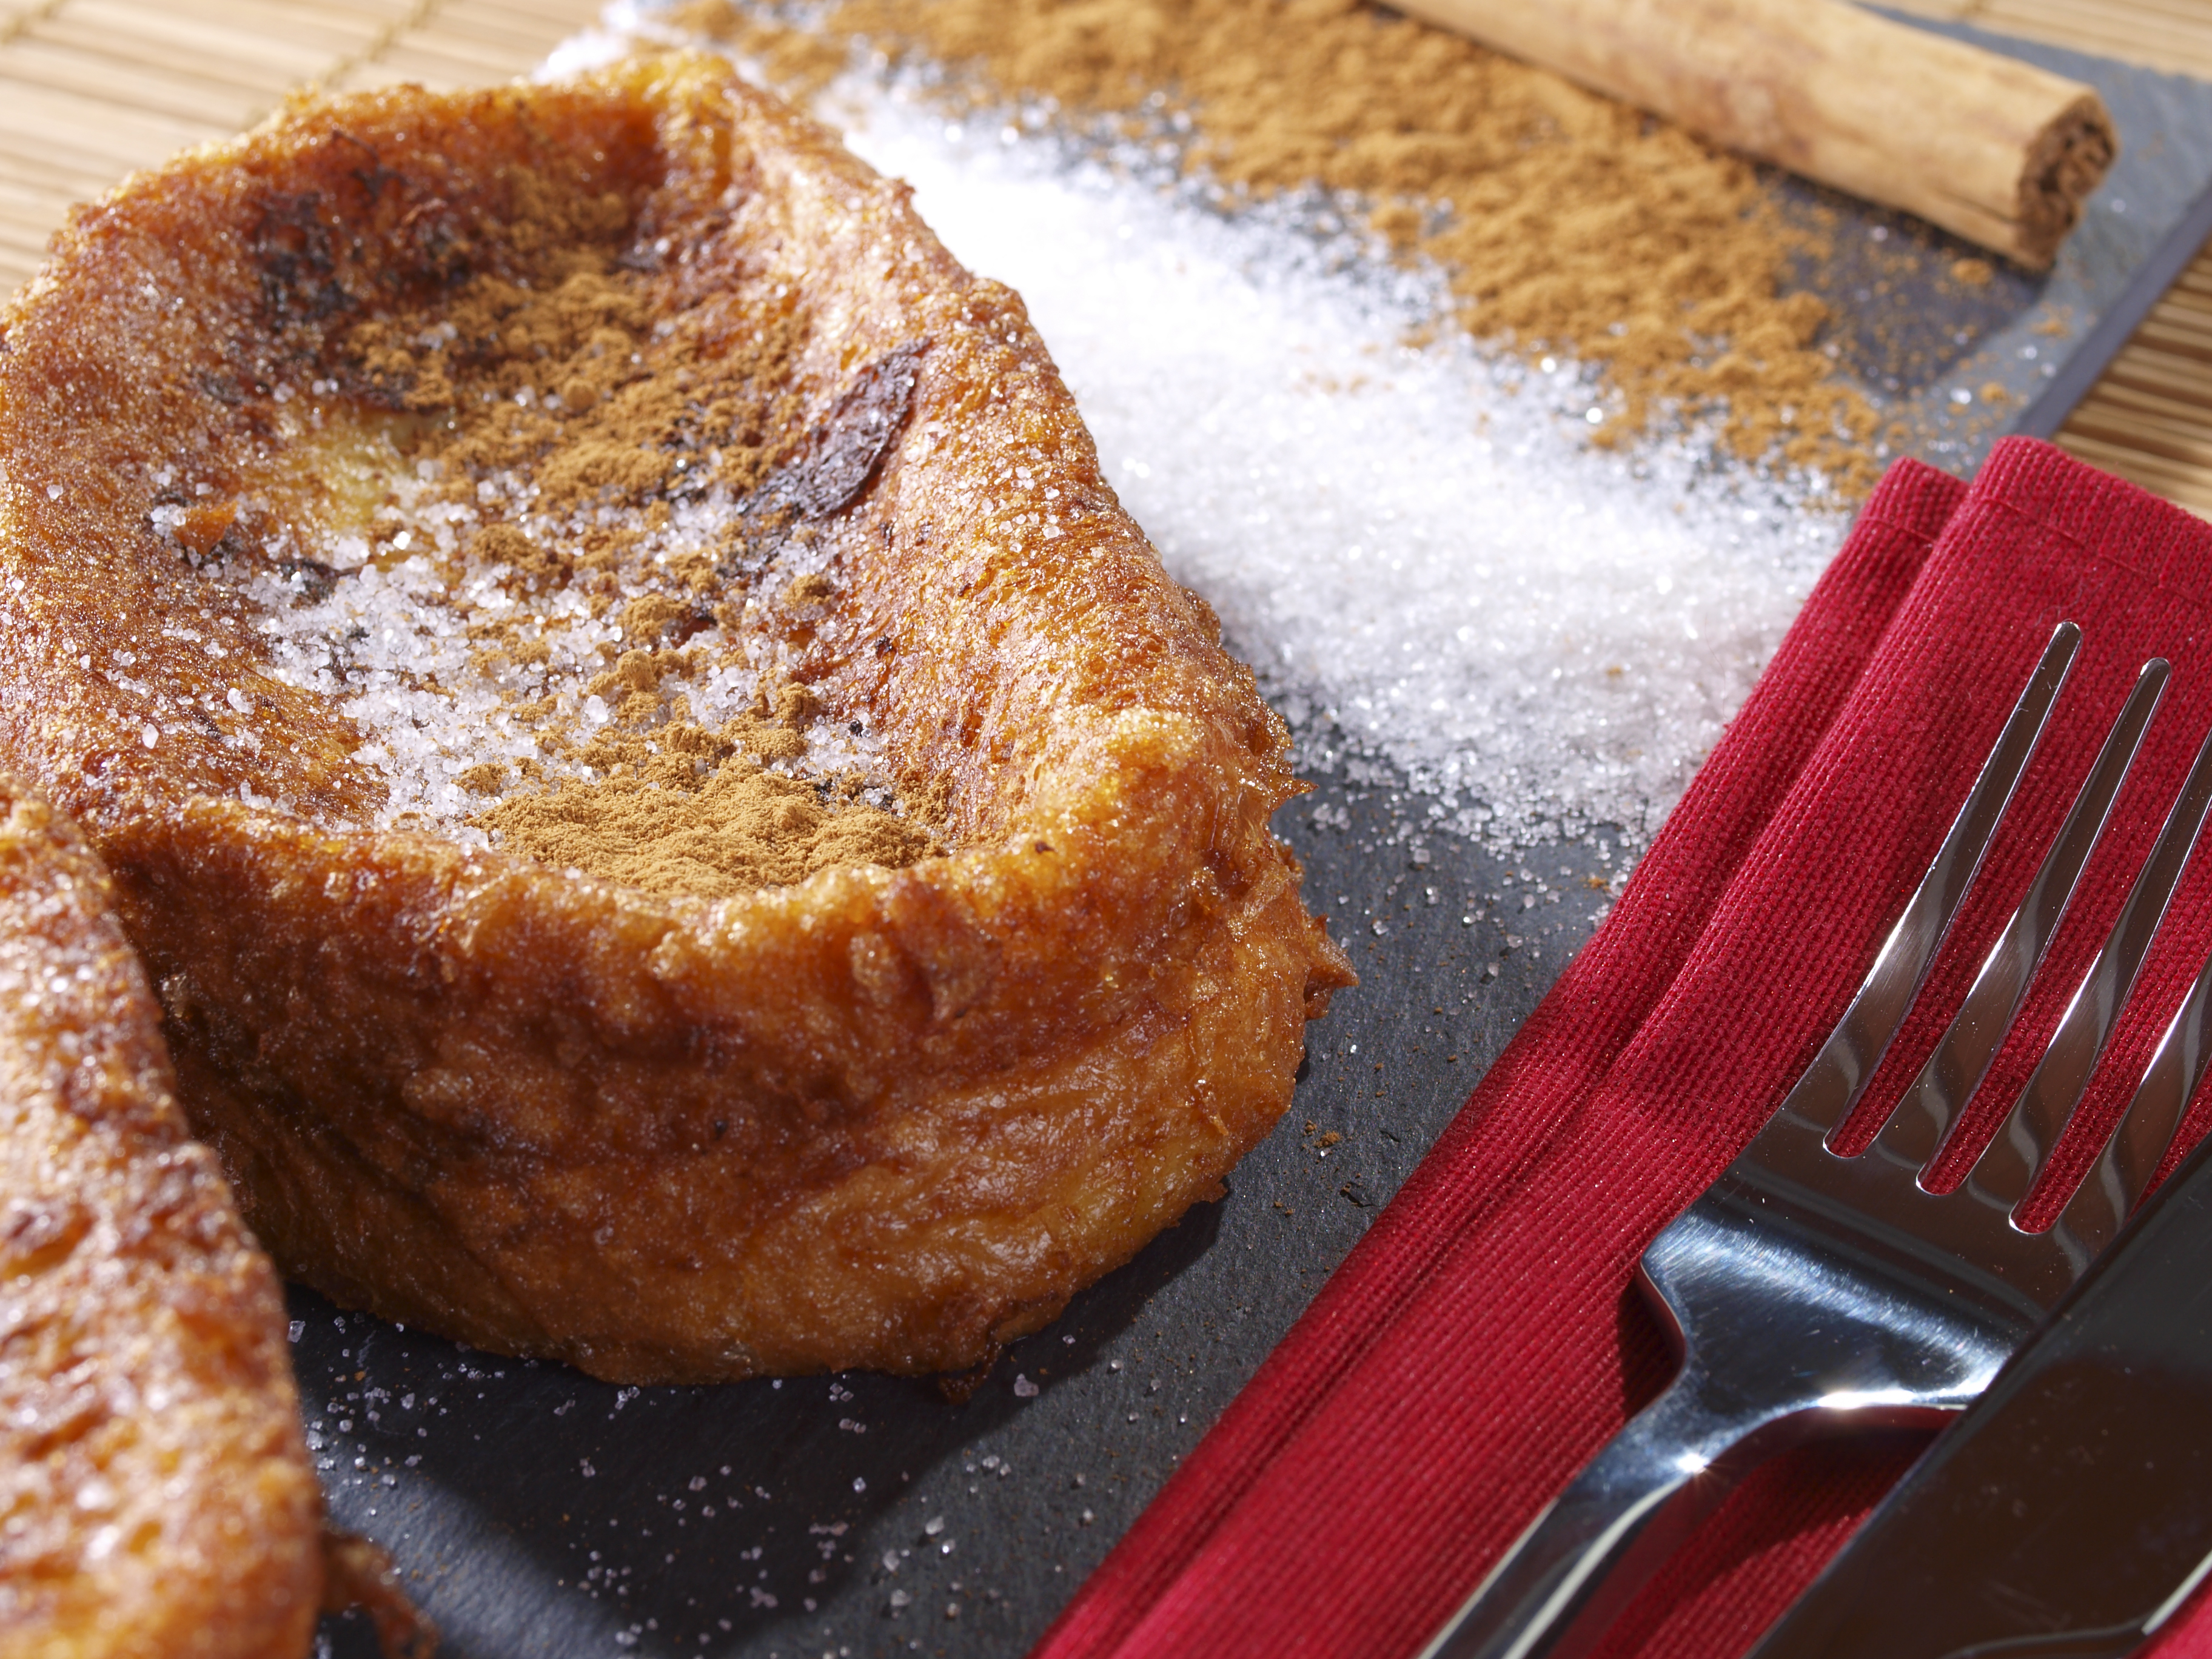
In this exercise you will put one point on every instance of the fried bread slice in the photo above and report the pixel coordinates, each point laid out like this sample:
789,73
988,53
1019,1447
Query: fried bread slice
156,1500
609,445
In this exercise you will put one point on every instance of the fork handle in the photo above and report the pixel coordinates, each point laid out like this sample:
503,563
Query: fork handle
1581,1560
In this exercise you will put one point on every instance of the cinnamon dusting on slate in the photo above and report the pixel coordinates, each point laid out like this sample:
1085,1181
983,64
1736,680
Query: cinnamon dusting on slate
1567,223
559,402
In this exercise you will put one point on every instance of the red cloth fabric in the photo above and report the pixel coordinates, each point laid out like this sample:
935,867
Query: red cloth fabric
1484,1337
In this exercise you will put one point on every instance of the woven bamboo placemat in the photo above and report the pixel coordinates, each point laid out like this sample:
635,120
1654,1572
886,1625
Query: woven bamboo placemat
92,88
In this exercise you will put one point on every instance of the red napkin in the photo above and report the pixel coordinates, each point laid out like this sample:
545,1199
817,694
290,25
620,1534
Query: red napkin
1484,1338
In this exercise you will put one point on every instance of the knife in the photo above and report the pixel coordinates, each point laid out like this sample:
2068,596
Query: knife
2068,1513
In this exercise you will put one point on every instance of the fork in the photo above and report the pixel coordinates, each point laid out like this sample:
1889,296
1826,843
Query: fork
1810,1293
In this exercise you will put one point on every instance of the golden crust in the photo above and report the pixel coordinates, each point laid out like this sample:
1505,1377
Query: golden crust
155,1496
882,1118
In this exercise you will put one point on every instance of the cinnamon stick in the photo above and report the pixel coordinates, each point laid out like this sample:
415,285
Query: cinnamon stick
1990,149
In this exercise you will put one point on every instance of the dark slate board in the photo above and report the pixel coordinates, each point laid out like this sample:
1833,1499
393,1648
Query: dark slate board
533,1511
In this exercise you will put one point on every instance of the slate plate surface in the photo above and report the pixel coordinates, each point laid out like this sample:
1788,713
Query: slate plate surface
535,1511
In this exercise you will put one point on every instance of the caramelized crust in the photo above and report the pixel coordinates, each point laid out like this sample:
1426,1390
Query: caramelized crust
883,1117
155,1497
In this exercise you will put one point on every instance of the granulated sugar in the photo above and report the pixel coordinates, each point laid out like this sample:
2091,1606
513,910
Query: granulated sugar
561,588
1438,577
1416,546
395,633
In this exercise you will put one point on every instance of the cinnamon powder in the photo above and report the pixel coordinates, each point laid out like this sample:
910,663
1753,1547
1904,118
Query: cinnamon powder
566,364
743,828
1566,222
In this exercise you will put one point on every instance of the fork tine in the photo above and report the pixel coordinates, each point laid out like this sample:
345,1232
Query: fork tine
1831,1086
2116,1185
2007,1171
1922,1118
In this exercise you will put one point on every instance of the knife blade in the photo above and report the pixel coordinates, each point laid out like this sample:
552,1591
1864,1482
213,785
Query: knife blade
2068,1513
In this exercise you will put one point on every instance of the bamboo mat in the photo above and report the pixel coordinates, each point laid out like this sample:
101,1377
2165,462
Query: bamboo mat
92,88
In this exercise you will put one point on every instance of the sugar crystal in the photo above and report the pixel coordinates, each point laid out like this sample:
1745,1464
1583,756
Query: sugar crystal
1420,549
